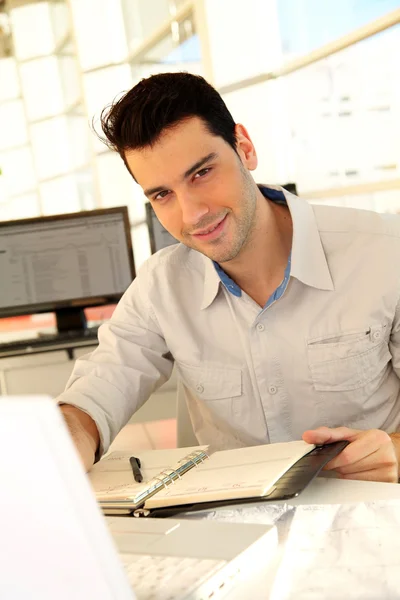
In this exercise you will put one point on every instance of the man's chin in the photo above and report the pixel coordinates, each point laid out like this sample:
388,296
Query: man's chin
219,257
211,251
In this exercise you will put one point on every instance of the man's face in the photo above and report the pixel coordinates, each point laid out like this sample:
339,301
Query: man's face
200,189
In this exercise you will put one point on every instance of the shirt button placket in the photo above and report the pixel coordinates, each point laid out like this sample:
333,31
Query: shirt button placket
266,375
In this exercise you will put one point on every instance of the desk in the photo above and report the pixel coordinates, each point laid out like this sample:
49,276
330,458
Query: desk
326,491
37,373
38,346
320,491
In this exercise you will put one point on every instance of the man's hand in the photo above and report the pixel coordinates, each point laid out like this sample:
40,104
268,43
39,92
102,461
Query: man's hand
372,455
84,433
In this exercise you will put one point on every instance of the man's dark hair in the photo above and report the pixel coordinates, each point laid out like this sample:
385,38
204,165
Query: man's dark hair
159,102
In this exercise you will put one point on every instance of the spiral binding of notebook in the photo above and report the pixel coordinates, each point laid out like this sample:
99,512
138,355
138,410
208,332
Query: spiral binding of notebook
163,480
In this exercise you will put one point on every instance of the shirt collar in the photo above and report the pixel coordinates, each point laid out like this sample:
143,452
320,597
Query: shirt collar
309,263
211,282
308,260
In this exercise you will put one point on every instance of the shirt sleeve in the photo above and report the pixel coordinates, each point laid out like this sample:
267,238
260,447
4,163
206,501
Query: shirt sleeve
394,343
131,361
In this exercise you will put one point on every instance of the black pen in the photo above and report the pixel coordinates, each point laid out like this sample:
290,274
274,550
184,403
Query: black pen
135,464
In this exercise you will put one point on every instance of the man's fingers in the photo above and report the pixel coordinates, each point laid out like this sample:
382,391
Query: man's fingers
326,435
356,454
376,460
370,455
373,448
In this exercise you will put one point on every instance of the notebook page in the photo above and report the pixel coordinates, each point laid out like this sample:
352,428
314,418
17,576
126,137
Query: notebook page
230,474
112,476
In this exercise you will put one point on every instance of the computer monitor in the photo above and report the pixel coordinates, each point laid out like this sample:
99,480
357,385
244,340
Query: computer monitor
290,187
159,236
65,263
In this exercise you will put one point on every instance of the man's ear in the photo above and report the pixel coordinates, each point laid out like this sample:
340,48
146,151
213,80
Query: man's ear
245,147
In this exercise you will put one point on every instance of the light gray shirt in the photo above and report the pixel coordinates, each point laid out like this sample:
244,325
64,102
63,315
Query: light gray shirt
327,352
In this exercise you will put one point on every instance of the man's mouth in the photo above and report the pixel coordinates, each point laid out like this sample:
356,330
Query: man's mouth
210,232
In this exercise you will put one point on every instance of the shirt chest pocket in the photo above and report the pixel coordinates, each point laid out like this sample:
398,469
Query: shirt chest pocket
347,361
212,383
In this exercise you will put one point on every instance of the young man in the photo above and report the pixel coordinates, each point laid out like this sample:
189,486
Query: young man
283,319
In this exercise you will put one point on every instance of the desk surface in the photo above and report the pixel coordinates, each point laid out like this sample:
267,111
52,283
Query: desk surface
324,490
327,491
38,346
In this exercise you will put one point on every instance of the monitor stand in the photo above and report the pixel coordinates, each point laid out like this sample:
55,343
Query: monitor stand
71,319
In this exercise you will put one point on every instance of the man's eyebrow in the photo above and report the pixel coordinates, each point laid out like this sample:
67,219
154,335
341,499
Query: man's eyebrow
150,191
190,171
200,163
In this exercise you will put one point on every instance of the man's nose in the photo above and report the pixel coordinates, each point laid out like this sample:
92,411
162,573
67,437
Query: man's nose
193,209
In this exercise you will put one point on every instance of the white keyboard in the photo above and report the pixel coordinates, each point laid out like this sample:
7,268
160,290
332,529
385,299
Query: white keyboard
167,577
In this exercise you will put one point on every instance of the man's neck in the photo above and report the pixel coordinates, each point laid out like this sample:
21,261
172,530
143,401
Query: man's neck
260,267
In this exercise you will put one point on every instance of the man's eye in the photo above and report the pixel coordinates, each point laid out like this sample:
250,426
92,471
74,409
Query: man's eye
161,195
203,172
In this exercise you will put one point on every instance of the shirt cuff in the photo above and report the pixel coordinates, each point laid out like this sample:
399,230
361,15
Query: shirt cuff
90,408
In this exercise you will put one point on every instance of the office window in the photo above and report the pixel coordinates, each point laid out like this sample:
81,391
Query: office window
51,148
59,196
244,39
101,88
178,3
262,110
385,201
69,76
29,40
116,186
142,19
85,185
13,125
344,116
18,174
308,24
60,20
79,132
169,55
41,87
69,193
331,124
100,33
21,207
9,88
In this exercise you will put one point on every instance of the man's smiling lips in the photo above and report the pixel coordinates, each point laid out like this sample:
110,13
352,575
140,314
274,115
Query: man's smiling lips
211,232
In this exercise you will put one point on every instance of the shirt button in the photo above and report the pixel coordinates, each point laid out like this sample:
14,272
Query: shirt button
272,389
200,389
376,335
260,327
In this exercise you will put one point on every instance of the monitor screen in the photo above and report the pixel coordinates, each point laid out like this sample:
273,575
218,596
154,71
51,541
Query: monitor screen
65,263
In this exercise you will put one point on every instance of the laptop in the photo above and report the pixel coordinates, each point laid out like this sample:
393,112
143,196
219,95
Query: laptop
57,544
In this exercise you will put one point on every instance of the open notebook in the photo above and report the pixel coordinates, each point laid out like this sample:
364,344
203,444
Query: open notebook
185,476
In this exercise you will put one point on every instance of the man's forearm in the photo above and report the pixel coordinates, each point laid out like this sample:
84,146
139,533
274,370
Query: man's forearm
395,437
84,433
